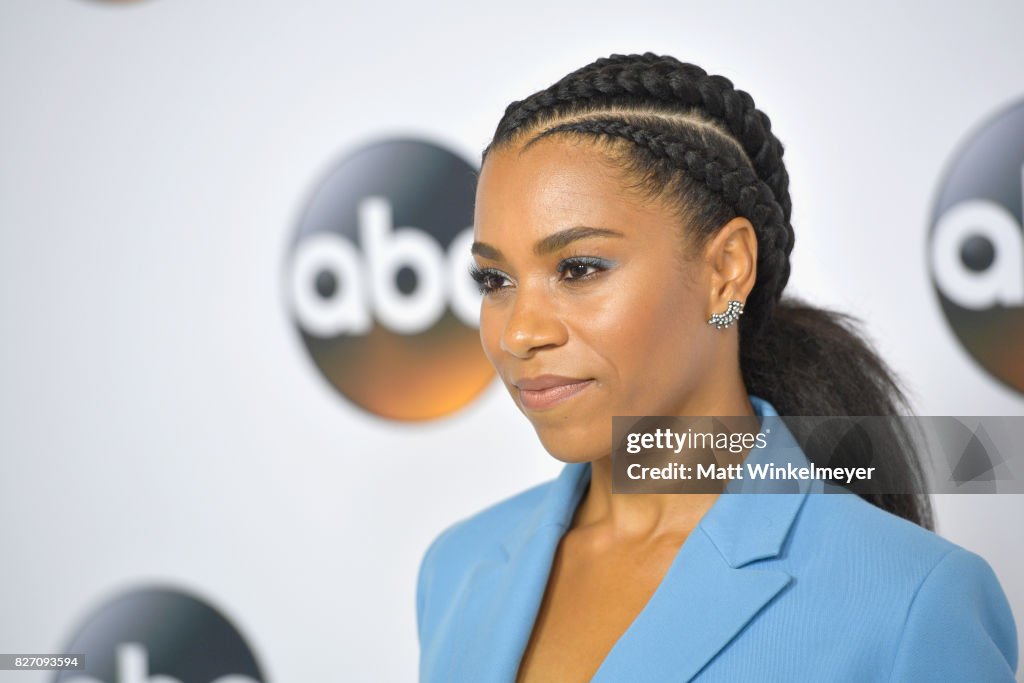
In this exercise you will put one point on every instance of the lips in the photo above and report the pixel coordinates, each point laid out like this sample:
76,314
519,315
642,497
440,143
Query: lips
546,391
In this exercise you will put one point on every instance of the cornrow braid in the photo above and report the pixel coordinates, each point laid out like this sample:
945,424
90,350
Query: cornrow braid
653,79
724,173
700,141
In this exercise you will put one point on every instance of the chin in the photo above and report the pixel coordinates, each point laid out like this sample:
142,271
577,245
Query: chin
576,443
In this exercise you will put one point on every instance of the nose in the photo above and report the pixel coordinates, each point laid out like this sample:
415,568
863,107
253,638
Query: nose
533,323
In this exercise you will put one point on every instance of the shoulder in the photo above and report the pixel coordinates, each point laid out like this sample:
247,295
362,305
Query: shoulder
849,523
950,618
845,529
481,529
452,553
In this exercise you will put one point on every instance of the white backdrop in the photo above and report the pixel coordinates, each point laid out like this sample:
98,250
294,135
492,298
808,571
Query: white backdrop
162,422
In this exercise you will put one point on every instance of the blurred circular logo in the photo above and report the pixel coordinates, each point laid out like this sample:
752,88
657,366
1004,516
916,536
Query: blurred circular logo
378,281
976,246
160,634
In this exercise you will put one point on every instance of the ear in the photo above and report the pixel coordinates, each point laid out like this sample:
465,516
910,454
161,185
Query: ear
731,256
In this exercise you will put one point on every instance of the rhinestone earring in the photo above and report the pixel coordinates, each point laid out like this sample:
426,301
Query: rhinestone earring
732,313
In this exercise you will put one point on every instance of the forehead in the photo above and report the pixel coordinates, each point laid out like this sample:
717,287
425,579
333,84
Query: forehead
557,183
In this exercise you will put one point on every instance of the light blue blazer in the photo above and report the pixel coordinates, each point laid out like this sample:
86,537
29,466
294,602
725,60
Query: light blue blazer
769,587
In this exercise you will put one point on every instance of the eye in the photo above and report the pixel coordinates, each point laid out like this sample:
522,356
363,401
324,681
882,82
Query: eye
487,279
582,267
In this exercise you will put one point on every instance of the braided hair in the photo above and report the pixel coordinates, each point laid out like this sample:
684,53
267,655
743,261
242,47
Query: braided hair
695,141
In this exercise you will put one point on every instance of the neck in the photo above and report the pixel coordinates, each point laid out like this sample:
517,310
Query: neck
633,517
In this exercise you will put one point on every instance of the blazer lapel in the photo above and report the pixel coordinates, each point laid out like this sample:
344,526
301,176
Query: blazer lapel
708,594
503,593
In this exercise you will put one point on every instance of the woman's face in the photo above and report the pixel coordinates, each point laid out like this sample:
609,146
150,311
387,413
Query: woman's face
590,310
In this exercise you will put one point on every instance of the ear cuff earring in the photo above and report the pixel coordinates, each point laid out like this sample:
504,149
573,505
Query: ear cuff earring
732,313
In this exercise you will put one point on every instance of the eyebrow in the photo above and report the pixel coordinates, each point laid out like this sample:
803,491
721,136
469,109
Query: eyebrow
551,243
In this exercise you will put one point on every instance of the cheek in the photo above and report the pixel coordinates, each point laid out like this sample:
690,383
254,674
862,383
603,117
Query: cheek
654,338
490,333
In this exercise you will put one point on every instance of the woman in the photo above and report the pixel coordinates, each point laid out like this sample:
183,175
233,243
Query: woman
619,212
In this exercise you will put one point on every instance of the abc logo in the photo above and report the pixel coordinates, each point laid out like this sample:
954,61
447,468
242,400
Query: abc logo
160,635
378,282
976,246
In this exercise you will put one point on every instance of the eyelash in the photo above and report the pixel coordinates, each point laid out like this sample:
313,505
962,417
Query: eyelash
482,275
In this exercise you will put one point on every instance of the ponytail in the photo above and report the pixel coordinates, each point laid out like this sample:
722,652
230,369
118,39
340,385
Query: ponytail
810,361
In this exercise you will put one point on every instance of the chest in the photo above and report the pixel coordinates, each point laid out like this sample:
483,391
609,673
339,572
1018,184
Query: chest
592,597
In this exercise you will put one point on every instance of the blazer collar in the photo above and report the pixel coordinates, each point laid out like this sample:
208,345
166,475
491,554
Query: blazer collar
707,596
